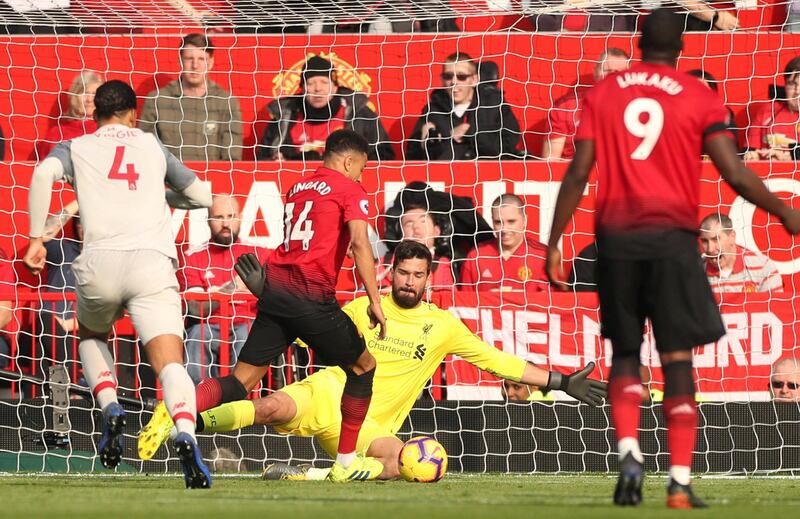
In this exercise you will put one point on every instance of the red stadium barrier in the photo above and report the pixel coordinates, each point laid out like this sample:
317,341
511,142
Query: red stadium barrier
555,330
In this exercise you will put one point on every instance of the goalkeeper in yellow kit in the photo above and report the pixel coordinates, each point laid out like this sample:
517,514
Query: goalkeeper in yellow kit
421,336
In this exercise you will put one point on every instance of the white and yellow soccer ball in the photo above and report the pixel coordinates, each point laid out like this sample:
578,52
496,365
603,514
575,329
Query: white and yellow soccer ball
422,460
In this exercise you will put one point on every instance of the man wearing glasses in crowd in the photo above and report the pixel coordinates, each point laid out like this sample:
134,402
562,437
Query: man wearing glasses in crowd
785,379
466,119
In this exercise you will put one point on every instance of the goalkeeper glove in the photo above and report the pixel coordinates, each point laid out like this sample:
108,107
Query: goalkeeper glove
576,385
251,272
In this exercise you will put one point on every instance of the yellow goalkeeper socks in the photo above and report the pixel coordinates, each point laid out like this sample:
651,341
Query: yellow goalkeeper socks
229,417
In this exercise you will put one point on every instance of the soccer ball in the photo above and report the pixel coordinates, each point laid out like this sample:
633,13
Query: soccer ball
422,460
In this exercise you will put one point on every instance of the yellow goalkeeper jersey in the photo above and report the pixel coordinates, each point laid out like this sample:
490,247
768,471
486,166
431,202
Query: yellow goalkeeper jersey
417,341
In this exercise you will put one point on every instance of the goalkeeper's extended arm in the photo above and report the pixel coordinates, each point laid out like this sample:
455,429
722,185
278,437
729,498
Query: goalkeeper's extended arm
576,385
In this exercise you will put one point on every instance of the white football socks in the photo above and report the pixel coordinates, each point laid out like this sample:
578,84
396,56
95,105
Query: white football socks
98,369
680,475
630,445
179,397
345,460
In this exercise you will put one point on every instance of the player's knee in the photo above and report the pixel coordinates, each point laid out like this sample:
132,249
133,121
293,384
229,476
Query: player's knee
232,389
364,363
277,408
359,385
625,362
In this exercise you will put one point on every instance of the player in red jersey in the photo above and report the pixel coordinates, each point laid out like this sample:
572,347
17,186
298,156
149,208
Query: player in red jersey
324,213
646,129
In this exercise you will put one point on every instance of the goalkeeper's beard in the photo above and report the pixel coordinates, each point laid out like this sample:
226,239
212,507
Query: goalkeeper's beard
406,297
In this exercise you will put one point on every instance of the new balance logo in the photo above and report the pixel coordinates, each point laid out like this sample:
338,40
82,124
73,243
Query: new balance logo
420,353
682,409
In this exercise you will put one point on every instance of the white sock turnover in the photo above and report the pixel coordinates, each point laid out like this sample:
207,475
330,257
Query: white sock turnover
681,475
630,445
179,397
98,368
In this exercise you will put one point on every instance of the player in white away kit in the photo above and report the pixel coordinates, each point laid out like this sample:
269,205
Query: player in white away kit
128,260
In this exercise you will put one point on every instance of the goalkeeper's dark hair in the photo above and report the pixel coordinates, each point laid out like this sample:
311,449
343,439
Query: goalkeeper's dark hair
409,249
343,141
114,98
662,34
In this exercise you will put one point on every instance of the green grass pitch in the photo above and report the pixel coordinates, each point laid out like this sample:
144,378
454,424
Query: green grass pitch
457,496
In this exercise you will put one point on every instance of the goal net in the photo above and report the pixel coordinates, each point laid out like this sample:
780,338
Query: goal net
531,61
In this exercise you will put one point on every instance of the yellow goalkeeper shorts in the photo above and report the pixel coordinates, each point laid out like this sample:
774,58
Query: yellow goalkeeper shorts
319,415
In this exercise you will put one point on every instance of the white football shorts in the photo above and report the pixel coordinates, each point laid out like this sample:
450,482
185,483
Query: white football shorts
141,281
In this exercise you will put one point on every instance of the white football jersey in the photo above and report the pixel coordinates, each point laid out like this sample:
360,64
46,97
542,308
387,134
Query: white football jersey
118,174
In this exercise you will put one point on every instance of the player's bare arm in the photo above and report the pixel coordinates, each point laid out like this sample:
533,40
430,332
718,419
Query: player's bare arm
46,173
365,265
56,222
569,196
746,183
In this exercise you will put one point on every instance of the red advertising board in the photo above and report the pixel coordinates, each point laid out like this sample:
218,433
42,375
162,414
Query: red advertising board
561,331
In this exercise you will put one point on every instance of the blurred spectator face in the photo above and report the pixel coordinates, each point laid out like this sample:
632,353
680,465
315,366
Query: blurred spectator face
319,90
718,244
224,220
784,381
460,78
419,226
195,63
409,280
610,65
83,105
515,390
509,224
793,91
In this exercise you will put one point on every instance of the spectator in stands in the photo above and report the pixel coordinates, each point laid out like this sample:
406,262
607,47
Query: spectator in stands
517,391
300,124
465,119
711,82
194,117
447,224
79,118
209,269
565,112
578,20
418,224
8,282
785,379
514,260
773,132
731,268
57,324
702,16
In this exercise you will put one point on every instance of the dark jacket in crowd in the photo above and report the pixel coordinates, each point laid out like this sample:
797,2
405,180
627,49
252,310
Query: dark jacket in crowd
493,129
284,114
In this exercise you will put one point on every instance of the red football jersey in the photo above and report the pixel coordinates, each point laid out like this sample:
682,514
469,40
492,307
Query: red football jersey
486,269
648,124
315,234
563,118
211,266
